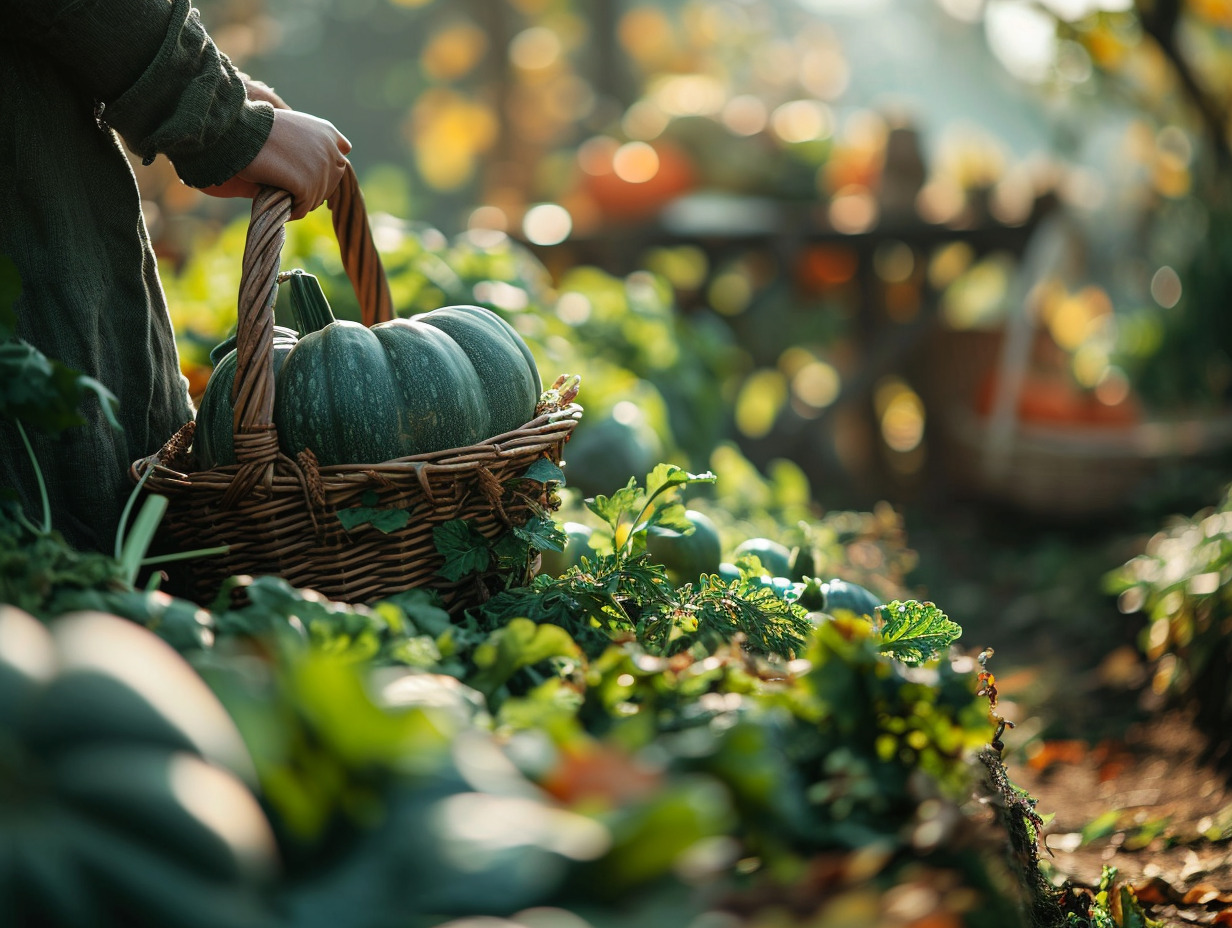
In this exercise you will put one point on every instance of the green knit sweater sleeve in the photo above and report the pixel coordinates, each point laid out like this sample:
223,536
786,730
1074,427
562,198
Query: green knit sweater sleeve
162,83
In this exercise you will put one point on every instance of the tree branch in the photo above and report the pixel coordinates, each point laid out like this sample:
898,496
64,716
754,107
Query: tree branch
1159,21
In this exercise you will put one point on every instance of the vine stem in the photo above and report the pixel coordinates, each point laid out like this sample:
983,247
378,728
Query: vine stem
42,484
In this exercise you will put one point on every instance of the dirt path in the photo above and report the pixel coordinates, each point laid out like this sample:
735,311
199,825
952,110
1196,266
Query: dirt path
1147,805
1119,777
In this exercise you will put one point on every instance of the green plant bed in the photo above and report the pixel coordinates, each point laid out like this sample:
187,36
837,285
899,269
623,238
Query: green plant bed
1179,584
605,742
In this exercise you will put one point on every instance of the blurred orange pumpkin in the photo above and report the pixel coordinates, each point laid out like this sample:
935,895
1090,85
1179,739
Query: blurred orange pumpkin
1052,399
639,179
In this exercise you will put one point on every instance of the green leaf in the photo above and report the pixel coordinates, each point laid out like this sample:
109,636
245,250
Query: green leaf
1103,825
521,643
630,511
915,632
44,393
610,508
544,471
542,533
667,476
141,534
464,549
109,402
383,520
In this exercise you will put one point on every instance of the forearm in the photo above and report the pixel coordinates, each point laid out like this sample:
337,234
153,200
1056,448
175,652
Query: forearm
163,85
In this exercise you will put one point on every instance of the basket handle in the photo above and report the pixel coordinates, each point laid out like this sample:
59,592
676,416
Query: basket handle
256,441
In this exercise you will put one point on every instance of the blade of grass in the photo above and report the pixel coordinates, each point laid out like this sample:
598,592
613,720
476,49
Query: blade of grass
138,540
128,510
185,555
38,475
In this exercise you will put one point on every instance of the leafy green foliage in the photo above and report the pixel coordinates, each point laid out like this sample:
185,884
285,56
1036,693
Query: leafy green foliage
1179,583
544,471
38,571
611,597
464,549
387,519
541,533
45,393
1113,906
631,510
915,632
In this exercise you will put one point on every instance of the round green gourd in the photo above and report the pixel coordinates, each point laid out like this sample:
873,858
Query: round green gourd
775,557
214,437
122,793
687,555
444,379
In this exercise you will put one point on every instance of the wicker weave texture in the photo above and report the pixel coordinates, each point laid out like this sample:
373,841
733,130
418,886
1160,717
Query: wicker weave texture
278,515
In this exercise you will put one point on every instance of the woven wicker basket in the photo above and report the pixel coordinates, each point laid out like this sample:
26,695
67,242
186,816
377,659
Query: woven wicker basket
1073,473
278,515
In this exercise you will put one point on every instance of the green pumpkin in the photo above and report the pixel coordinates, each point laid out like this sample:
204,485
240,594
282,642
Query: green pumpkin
355,394
603,454
687,555
774,556
120,803
214,438
841,596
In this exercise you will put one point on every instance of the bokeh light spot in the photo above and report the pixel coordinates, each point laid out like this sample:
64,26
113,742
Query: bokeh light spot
816,384
547,224
745,114
758,404
573,308
1166,287
535,49
595,155
802,121
901,413
635,162
853,210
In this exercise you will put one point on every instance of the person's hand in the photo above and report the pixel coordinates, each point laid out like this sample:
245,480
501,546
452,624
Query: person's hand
304,155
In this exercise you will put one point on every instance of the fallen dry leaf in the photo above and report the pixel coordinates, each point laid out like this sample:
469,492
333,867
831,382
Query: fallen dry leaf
1205,894
1156,891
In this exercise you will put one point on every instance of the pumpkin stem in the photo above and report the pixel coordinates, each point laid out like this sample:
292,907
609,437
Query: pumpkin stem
308,302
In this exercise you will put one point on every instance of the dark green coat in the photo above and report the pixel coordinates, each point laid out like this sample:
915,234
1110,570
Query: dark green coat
79,78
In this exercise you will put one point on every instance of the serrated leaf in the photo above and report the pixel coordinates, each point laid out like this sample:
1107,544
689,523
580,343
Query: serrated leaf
544,471
465,550
915,632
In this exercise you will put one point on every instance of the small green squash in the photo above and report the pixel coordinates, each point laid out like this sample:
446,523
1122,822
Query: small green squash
213,440
775,557
355,394
687,555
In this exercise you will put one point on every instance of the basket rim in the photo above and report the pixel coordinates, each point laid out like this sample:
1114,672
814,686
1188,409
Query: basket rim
1156,438
544,431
